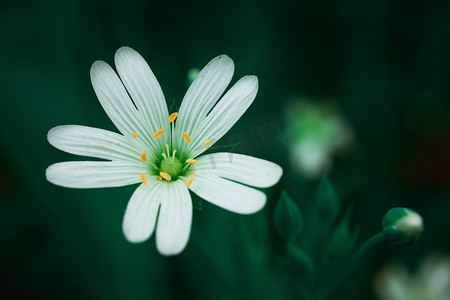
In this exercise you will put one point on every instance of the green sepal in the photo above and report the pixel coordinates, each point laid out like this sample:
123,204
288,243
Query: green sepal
173,106
392,216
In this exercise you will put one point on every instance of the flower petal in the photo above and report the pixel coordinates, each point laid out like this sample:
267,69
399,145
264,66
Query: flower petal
143,88
175,217
227,194
225,114
241,168
142,209
117,104
94,142
94,174
203,93
392,282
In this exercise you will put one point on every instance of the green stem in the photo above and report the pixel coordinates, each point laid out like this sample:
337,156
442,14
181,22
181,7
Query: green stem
367,245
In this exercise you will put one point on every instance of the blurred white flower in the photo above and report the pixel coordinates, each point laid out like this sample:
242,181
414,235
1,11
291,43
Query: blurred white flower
431,281
162,151
316,132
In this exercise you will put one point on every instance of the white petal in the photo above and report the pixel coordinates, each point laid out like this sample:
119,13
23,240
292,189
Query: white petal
227,194
142,209
225,114
143,88
94,142
203,94
175,218
117,104
310,158
392,283
241,168
94,174
434,274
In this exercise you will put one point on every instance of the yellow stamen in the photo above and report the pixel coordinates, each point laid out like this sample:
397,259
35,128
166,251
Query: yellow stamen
191,161
207,143
191,178
135,134
144,156
143,178
164,155
186,137
165,176
159,133
174,151
172,117
160,178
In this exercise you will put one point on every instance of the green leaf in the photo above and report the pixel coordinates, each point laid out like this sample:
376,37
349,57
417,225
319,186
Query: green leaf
342,239
301,257
327,200
288,218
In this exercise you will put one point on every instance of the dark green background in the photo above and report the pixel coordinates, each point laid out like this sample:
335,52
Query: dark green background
386,63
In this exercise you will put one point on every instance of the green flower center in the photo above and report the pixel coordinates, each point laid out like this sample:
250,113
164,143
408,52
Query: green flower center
171,166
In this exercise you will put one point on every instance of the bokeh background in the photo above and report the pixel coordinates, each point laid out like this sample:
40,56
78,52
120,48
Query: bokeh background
384,63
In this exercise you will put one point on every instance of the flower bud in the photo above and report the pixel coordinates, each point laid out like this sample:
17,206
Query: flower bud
402,226
288,218
191,75
327,200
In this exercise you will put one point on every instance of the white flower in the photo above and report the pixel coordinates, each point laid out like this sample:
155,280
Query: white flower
161,151
317,131
430,282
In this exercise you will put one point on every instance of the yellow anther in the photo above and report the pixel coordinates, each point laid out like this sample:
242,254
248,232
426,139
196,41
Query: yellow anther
172,117
191,161
207,143
159,133
135,134
191,178
144,156
164,155
186,137
143,178
160,178
165,176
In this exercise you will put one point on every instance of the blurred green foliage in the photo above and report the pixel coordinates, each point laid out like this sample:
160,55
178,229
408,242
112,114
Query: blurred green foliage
288,218
385,62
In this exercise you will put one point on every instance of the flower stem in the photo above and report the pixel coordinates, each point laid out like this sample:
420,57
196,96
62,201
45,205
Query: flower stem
367,245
